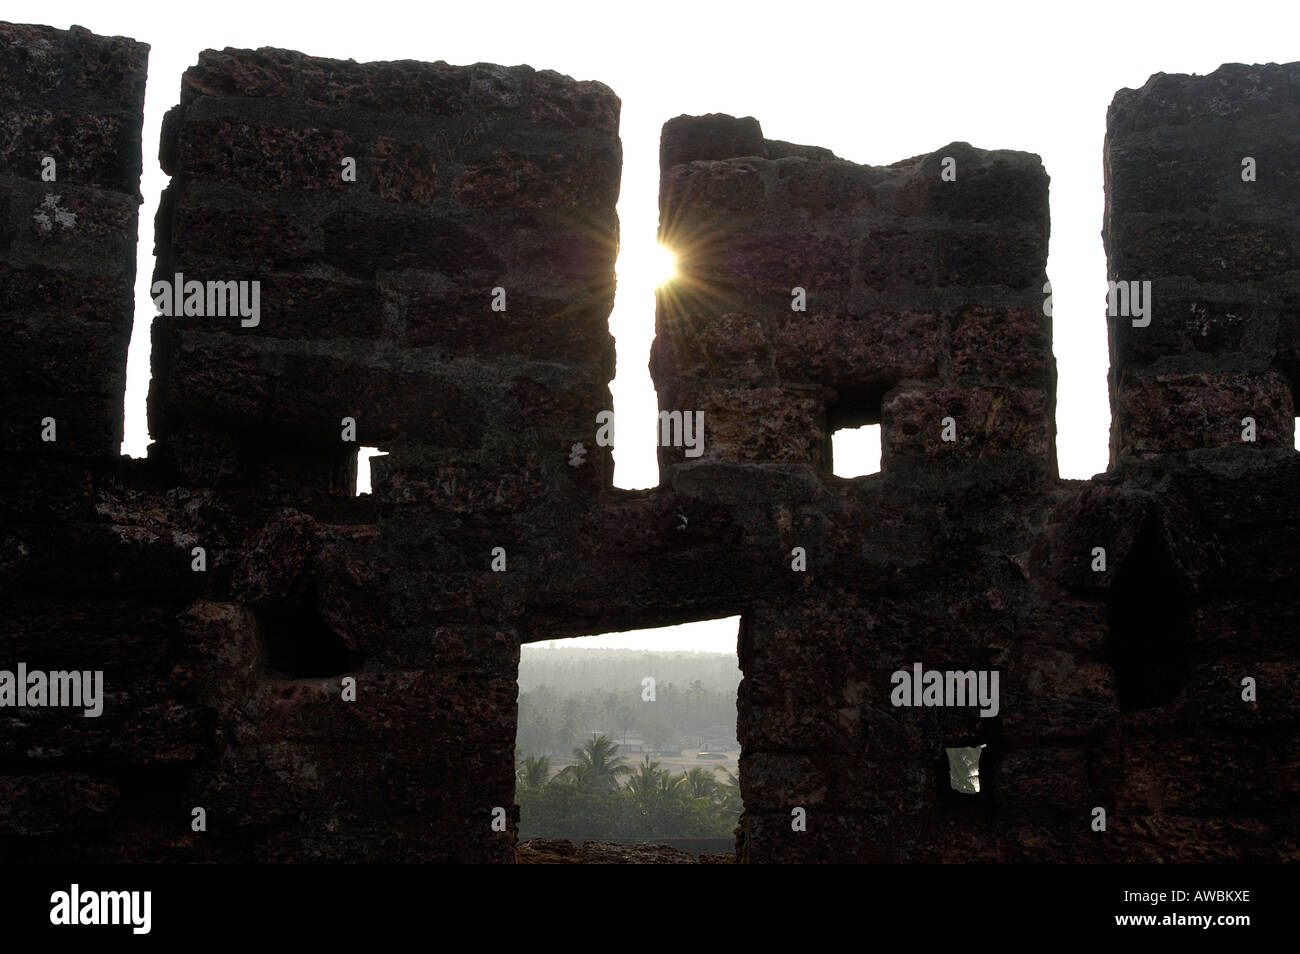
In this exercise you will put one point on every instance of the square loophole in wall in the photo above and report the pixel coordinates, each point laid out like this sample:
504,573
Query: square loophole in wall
363,467
964,769
853,422
855,451
966,774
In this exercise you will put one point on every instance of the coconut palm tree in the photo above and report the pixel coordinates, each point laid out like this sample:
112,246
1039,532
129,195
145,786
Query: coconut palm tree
649,782
595,765
699,783
728,793
533,772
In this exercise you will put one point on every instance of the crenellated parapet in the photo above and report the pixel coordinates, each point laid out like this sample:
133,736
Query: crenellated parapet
420,257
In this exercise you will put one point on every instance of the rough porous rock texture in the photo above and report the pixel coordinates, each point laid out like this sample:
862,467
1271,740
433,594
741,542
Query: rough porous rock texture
70,120
559,851
333,677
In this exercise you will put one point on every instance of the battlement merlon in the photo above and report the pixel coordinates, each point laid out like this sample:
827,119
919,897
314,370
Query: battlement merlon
70,160
1200,230
435,246
815,293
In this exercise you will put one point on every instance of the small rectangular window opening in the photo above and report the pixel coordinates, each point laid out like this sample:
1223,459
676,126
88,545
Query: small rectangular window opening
855,451
964,769
363,467
853,422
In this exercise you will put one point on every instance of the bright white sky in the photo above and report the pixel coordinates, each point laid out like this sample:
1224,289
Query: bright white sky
873,83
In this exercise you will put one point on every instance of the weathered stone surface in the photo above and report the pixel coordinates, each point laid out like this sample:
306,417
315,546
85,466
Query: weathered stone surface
1162,413
107,69
69,357
405,172
263,157
95,149
67,243
47,291
1201,202
516,182
999,344
558,851
986,422
53,803
254,234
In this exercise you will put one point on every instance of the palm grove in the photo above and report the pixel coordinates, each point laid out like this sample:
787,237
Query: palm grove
596,698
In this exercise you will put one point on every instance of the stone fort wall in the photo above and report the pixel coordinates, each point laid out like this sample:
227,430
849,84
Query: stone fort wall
425,255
